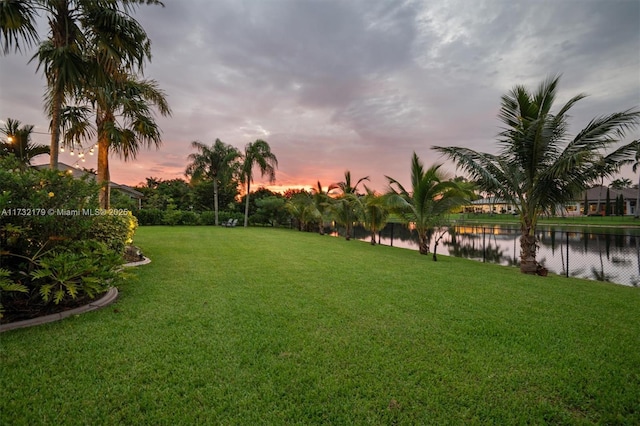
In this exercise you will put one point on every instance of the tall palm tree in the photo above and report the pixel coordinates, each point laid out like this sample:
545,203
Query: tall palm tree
19,142
76,27
373,212
124,121
430,198
540,167
344,207
217,163
259,154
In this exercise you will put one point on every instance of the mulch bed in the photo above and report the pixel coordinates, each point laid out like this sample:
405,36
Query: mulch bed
21,308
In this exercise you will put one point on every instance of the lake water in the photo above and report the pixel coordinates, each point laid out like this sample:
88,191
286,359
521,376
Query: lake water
611,255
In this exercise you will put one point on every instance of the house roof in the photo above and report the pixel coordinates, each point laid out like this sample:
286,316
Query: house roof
80,173
127,189
599,192
75,172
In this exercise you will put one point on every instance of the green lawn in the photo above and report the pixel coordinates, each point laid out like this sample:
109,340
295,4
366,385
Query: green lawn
267,326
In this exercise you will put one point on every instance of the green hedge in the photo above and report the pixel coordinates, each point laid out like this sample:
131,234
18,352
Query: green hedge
147,217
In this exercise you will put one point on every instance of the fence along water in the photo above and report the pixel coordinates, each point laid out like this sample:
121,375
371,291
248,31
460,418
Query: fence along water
602,256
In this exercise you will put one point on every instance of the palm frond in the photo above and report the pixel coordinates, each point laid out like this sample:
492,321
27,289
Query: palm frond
17,25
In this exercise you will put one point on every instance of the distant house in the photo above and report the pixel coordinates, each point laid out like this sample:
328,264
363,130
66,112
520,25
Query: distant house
490,205
597,199
596,203
79,173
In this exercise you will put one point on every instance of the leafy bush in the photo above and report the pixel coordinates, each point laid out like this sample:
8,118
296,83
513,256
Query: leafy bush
172,217
48,203
189,218
149,216
50,233
85,267
224,216
114,230
208,218
8,285
180,217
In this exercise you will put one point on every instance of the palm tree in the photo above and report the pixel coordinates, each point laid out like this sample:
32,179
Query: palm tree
374,213
344,207
217,163
621,183
540,167
259,154
76,28
430,198
19,142
321,201
124,121
301,207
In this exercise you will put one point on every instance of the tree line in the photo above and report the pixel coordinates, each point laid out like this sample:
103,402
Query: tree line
93,58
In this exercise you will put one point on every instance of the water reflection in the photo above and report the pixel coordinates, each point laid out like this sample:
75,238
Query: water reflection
612,256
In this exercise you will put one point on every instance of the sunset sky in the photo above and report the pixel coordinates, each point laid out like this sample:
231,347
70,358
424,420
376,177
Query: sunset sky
357,85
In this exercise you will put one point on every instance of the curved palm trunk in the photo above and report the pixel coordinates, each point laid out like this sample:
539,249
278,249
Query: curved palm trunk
435,246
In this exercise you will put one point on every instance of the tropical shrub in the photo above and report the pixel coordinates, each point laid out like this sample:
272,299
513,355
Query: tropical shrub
149,216
225,216
180,217
8,285
50,239
114,230
84,267
208,218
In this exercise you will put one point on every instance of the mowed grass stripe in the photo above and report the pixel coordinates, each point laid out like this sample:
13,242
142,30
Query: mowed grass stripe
272,326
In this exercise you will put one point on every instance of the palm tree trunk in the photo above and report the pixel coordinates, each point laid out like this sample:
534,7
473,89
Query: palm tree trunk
103,173
347,231
373,238
56,109
637,209
423,243
528,264
215,199
246,205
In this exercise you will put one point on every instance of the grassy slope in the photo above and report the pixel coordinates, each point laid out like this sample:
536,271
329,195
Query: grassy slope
263,326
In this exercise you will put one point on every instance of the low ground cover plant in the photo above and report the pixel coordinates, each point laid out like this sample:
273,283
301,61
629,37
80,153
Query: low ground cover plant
275,326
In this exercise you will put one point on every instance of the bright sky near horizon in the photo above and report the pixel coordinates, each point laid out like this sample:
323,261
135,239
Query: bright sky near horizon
357,85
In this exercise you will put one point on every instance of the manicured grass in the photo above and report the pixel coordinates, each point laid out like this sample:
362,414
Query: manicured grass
268,326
